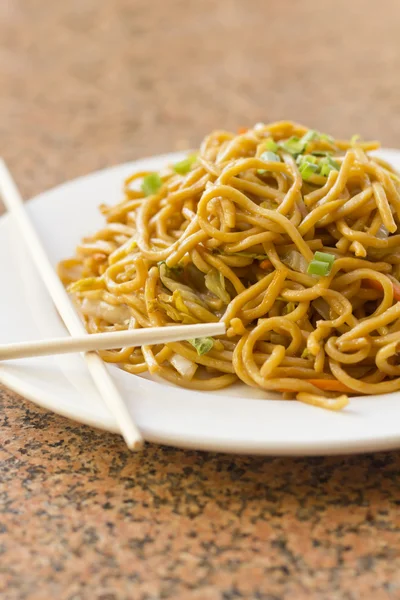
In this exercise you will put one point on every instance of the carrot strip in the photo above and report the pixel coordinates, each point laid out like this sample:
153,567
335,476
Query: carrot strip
242,130
266,264
330,385
377,286
373,283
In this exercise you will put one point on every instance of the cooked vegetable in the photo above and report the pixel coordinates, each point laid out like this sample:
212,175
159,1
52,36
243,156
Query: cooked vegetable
202,345
266,264
321,264
107,312
307,169
185,165
377,286
318,267
82,285
296,261
382,233
215,282
326,165
184,366
310,136
322,307
271,145
293,145
270,156
151,184
325,257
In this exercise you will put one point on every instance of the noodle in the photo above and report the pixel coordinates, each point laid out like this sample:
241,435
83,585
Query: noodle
283,233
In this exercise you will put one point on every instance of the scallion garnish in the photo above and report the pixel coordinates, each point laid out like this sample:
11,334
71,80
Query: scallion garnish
202,345
293,145
326,165
333,163
307,169
307,158
321,152
326,138
310,136
270,156
321,265
325,169
324,257
151,184
185,165
271,145
309,164
318,267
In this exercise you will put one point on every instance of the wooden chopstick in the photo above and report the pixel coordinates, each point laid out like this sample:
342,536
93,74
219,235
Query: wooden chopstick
97,368
108,341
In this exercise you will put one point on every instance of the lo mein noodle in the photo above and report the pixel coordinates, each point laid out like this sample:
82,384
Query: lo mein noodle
287,235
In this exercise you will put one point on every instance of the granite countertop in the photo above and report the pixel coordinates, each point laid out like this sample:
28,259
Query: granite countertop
90,83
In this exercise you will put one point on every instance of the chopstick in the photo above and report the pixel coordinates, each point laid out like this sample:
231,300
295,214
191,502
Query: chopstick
97,368
108,341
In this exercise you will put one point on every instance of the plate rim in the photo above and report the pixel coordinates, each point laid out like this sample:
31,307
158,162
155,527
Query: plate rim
50,402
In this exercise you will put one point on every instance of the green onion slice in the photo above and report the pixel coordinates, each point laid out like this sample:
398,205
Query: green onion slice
327,164
325,169
321,264
296,146
306,157
319,267
310,136
151,184
321,152
185,165
325,257
293,145
271,145
307,169
326,138
270,156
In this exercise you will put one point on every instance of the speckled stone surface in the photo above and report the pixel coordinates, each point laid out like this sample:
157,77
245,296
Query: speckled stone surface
89,83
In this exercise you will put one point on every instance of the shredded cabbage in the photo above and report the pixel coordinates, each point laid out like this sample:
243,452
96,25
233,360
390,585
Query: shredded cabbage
185,367
202,345
215,282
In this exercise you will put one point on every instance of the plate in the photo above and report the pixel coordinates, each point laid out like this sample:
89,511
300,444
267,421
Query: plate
238,419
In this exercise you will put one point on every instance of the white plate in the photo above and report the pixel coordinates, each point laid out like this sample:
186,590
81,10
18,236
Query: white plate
238,419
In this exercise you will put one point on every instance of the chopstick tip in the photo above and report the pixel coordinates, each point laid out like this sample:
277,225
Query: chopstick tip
135,444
